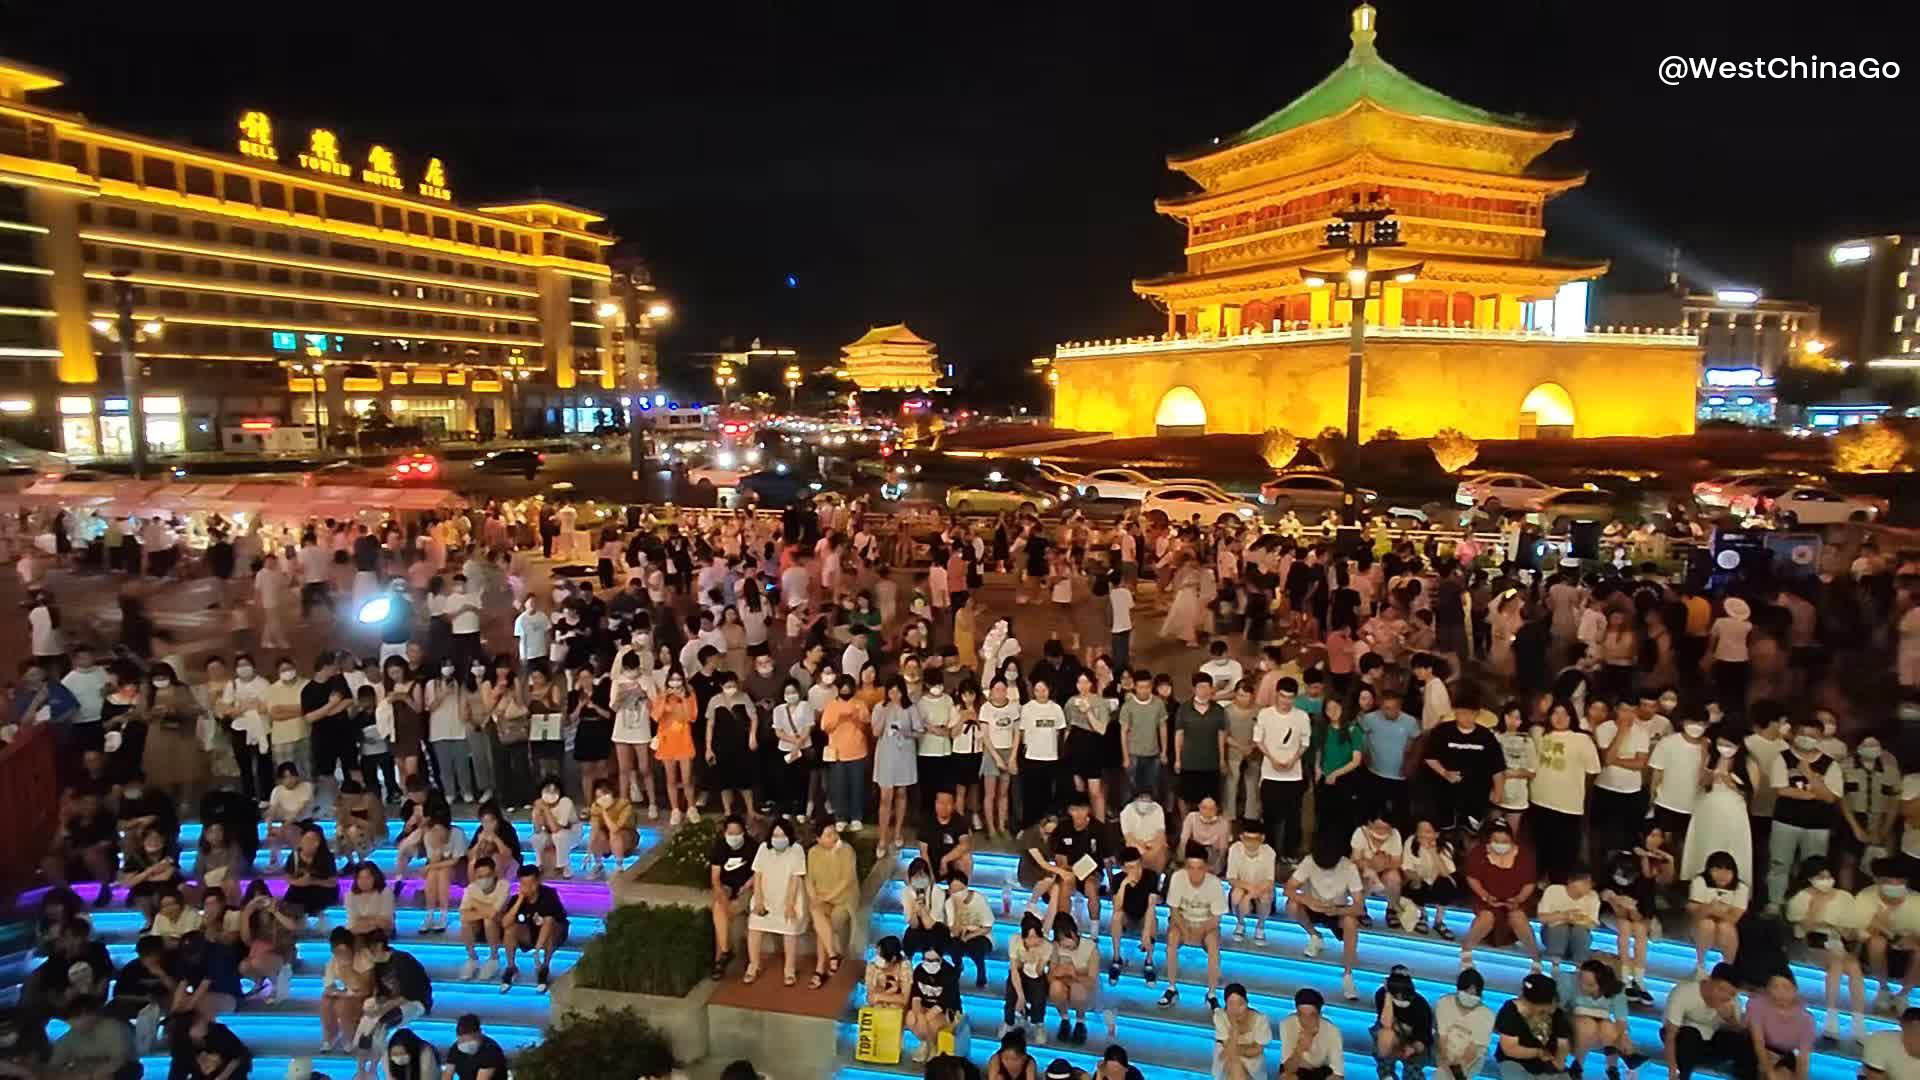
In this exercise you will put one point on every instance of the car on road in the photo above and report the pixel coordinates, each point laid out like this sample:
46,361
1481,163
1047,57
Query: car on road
1046,473
1181,503
1130,484
778,487
1577,504
1728,489
1505,491
415,469
1805,504
994,494
1312,491
515,460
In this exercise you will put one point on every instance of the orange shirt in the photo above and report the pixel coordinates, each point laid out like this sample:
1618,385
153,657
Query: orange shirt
845,723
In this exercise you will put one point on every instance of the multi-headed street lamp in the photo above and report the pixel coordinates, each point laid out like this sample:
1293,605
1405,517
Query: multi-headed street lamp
1357,231
793,378
124,330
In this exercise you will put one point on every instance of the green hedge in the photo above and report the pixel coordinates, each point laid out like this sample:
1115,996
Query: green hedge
608,1045
647,949
683,860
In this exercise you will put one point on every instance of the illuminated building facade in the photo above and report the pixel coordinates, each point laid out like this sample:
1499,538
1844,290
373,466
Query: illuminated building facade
636,329
1489,336
1869,288
292,250
1746,339
891,358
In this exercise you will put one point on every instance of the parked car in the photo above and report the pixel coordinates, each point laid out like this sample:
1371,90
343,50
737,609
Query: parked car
994,495
515,460
1181,503
1314,491
778,487
1057,475
1505,491
1808,505
1578,504
1727,489
1130,484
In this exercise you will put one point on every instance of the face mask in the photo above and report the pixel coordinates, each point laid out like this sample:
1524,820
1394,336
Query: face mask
1822,883
289,675
1669,702
1402,1003
245,671
1805,743
483,883
399,1057
1209,818
1894,892
134,791
1694,730
446,671
793,697
780,843
1468,999
1869,752
1726,749
603,799
477,670
9,1038
931,967
920,884
468,1046
1500,847
736,840
550,798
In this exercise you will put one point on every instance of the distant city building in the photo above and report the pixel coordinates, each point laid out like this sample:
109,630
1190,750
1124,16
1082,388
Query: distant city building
1867,288
636,332
286,249
891,358
1746,340
1488,335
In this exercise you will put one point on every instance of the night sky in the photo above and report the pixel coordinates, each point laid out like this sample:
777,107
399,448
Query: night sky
987,173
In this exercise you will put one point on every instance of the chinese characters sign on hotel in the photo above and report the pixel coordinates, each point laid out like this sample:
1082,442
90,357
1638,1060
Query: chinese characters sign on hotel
323,156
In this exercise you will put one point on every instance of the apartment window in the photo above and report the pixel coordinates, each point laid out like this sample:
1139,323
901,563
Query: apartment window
273,195
309,246
122,218
207,267
463,232
158,172
358,211
164,224
171,264
282,308
240,235
278,241
279,275
353,253
511,277
1899,321
313,311
311,280
246,305
507,241
172,298
443,266
486,236
488,273
116,164
246,272
1900,281
392,217
200,181
306,201
73,154
89,253
204,230
213,302
238,188
419,262
86,213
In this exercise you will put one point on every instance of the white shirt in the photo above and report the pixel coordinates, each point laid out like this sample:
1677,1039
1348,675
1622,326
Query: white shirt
1142,821
464,609
1225,672
1618,778
1324,1051
46,636
1730,643
1328,886
1000,721
794,585
290,804
530,629
1685,1006
1198,905
88,687
315,564
1676,761
1702,893
1465,1034
1285,734
1567,758
1259,1032
1253,870
1884,1052
1040,725
1557,901
853,657
1122,599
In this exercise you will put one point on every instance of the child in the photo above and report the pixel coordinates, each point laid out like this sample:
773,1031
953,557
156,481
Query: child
1325,890
1628,896
1377,852
1250,869
556,829
1568,913
1428,878
349,981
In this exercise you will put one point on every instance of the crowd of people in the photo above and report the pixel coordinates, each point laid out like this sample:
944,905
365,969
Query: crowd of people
1501,759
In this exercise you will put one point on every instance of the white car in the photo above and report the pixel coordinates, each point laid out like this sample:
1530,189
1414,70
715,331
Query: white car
1054,474
1732,490
1180,504
1130,484
1807,505
724,468
1505,490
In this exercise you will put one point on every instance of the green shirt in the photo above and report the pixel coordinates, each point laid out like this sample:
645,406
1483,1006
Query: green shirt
1339,745
1200,745
1142,722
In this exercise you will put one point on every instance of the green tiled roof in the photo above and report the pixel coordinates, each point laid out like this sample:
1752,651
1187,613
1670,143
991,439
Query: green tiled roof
1365,76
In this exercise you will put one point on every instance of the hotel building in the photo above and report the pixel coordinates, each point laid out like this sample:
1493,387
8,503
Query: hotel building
250,269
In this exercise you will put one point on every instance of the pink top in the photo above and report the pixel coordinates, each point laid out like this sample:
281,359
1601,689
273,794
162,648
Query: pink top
1790,1028
1340,653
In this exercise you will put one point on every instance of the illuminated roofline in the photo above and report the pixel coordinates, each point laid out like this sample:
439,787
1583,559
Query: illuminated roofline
186,281
335,266
1674,338
398,333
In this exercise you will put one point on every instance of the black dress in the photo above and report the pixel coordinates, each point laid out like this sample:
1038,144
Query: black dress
733,768
593,738
313,898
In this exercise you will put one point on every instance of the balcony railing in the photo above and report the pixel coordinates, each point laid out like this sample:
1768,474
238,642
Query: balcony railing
1673,337
1439,211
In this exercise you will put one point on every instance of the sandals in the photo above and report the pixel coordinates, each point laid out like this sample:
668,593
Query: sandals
833,964
749,975
1444,933
788,980
719,969
814,981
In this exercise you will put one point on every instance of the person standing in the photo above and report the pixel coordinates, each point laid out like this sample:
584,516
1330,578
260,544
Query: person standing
1037,746
1559,792
1281,734
1199,744
1389,733
1120,604
1807,785
1619,791
463,615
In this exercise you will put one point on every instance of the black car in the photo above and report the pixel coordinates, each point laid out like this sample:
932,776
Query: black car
511,461
779,487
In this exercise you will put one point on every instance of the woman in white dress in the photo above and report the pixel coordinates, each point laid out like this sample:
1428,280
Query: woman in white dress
779,899
1720,821
1183,615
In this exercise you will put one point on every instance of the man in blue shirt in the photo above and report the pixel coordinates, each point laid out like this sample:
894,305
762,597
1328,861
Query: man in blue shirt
1389,733
35,692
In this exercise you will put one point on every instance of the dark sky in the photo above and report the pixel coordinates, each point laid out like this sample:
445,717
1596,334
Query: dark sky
987,173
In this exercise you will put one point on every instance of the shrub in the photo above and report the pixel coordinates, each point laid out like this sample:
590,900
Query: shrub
1873,447
1453,449
1385,434
608,1045
1278,447
1330,446
663,950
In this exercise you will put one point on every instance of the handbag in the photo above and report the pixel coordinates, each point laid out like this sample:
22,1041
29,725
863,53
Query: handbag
878,1040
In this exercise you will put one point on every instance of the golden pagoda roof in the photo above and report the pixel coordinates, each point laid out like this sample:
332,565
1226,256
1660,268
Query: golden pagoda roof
1365,77
890,334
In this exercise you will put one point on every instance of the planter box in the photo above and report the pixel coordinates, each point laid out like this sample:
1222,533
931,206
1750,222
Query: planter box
682,1019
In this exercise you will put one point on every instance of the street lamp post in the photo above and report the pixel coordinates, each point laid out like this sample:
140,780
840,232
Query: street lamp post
724,378
645,331
1358,230
128,333
793,379
314,368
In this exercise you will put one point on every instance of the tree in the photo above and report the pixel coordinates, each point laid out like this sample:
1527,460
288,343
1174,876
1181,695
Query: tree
1453,449
1278,447
1385,434
1330,446
1874,447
